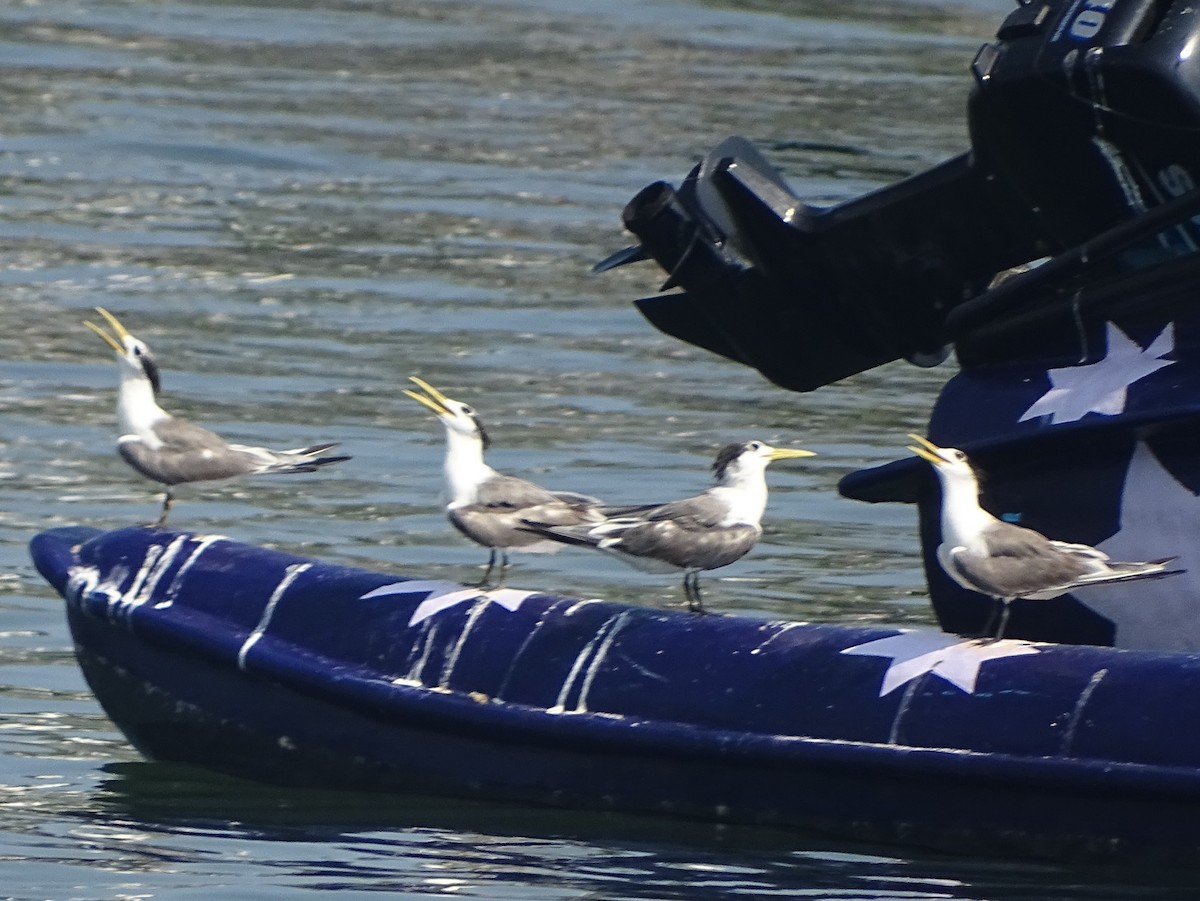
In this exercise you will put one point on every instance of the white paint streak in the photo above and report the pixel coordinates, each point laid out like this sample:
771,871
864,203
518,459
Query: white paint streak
155,564
153,569
172,591
164,563
905,701
524,646
414,672
129,599
581,660
477,611
110,586
579,605
645,670
620,623
290,575
785,628
81,581
1077,713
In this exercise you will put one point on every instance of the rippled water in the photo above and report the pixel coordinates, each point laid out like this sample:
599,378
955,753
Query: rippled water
298,205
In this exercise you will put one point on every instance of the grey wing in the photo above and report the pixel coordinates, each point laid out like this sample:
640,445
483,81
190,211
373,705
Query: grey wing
503,505
188,453
1082,550
511,492
612,511
577,500
691,513
674,542
685,534
535,502
490,527
699,512
1020,563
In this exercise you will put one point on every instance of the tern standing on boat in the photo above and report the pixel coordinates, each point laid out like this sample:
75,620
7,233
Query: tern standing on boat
1008,562
490,507
695,534
173,451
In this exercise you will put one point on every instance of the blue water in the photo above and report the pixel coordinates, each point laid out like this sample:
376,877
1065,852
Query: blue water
300,205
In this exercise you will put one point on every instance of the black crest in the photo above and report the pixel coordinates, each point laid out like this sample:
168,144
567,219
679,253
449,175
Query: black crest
150,367
483,435
728,454
981,477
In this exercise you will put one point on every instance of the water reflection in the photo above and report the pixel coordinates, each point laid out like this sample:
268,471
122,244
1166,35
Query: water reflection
433,846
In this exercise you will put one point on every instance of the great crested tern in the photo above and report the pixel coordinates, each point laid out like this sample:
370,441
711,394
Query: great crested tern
694,534
487,506
1008,562
173,451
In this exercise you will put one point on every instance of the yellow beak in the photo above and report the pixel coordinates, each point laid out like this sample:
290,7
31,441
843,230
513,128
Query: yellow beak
927,450
119,330
432,398
789,453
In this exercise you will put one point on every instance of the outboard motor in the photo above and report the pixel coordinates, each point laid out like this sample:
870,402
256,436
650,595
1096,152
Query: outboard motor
1084,119
1058,257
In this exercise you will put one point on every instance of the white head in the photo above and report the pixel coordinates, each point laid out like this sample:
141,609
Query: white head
134,359
739,463
458,418
466,440
952,466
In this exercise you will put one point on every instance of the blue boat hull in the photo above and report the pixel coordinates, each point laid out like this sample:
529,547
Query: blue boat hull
283,669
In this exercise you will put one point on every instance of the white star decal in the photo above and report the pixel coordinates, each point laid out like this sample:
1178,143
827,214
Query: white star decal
957,661
1159,518
441,595
1101,387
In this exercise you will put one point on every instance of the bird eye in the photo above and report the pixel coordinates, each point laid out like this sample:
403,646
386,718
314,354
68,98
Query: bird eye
468,410
755,445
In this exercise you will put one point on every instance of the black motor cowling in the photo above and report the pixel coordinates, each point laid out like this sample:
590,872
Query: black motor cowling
1085,134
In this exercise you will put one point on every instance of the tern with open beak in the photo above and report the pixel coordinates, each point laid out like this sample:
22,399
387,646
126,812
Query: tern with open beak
173,451
487,506
1008,562
695,534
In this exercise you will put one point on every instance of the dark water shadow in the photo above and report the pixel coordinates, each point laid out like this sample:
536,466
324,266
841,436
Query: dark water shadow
609,855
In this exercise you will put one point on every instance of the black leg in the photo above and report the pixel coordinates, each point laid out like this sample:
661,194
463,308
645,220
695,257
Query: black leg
997,604
486,581
691,590
1003,620
504,566
168,500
